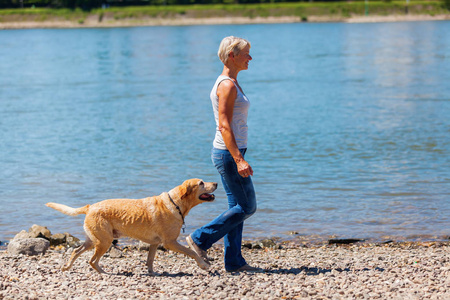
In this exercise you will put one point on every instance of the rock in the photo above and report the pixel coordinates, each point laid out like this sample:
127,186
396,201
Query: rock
267,243
72,241
37,231
247,245
28,246
256,246
343,241
115,252
143,246
22,235
57,239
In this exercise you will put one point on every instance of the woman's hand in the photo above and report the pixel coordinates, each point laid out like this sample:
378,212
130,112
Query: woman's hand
244,169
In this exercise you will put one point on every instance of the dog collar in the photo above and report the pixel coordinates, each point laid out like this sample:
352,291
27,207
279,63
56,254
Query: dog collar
179,210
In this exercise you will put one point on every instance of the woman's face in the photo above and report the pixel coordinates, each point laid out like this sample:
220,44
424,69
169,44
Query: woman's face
241,60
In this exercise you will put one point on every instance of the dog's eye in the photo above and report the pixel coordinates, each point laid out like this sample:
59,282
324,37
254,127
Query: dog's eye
201,183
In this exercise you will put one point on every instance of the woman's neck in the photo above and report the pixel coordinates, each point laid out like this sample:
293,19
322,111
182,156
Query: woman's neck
230,72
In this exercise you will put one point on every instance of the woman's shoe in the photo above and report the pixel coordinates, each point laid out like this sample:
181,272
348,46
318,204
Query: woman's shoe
200,252
247,268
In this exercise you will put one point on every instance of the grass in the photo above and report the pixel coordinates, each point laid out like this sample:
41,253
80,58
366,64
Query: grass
300,9
41,14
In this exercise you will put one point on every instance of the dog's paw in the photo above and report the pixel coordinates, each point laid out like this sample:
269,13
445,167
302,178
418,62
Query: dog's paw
204,266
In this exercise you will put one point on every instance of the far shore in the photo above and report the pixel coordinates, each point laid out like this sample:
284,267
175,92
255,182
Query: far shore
93,22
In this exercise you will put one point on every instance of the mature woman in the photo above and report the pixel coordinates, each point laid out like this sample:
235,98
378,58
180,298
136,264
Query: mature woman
230,107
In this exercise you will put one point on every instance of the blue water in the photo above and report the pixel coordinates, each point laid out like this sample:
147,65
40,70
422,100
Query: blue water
349,127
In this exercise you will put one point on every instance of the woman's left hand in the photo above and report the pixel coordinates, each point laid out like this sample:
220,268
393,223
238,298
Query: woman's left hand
244,169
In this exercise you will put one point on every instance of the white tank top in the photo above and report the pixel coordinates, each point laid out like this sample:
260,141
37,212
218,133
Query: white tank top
239,121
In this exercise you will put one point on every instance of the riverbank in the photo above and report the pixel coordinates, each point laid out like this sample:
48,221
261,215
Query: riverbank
224,14
419,270
89,23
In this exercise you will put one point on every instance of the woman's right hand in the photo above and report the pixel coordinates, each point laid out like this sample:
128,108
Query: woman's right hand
244,169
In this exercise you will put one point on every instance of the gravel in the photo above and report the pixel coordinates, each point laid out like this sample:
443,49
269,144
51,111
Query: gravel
359,271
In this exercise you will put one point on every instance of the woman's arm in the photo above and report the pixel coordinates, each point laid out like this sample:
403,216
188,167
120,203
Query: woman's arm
227,93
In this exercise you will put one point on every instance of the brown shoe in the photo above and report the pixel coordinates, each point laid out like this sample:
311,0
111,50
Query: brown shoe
247,268
200,252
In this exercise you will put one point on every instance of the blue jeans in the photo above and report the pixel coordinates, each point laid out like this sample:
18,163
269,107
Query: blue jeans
241,205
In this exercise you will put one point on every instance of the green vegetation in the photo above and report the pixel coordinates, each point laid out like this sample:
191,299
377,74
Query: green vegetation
303,10
447,4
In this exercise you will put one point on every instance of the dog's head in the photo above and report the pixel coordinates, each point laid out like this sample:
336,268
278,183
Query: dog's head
195,191
199,190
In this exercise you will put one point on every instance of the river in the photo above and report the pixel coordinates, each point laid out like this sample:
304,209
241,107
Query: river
349,128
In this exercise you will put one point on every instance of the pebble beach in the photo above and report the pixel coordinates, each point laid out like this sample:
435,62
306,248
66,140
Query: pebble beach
407,270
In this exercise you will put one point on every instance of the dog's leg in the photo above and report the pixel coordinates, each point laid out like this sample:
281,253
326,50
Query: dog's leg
77,252
151,257
174,246
100,249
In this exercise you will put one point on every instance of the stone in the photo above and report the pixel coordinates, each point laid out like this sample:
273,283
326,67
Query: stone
57,239
72,241
22,235
143,246
247,245
28,246
37,231
267,243
344,241
115,252
257,246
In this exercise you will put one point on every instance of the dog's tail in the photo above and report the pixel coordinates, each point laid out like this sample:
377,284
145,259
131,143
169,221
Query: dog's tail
69,210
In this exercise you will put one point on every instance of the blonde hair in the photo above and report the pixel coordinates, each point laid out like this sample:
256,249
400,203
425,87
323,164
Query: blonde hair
231,43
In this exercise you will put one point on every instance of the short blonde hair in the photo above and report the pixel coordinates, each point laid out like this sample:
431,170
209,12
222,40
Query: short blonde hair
231,43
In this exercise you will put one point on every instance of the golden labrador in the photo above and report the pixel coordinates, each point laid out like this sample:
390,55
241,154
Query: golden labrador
153,220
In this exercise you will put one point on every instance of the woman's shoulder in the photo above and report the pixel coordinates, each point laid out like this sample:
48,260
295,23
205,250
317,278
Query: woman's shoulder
227,85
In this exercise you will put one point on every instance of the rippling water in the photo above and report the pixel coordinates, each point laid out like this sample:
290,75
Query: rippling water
349,124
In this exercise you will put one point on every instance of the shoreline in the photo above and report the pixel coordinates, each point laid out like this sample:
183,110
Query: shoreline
295,240
93,22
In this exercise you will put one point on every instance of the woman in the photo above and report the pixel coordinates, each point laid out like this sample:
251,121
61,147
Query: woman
230,107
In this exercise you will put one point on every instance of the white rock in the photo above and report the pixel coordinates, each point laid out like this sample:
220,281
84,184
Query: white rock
28,246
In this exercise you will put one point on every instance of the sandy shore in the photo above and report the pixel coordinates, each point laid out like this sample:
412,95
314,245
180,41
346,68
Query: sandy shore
92,21
360,271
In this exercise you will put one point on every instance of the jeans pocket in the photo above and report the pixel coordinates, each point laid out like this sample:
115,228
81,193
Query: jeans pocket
217,160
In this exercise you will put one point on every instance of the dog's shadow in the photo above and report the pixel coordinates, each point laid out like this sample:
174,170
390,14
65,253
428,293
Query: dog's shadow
306,270
163,274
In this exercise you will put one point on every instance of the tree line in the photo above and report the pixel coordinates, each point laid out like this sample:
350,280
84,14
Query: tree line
88,4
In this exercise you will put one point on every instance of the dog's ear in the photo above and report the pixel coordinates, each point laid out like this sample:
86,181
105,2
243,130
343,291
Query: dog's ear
185,190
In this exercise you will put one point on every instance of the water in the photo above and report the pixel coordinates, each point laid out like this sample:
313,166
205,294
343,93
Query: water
349,124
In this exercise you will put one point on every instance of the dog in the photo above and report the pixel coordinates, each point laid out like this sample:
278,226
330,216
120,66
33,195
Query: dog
154,220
